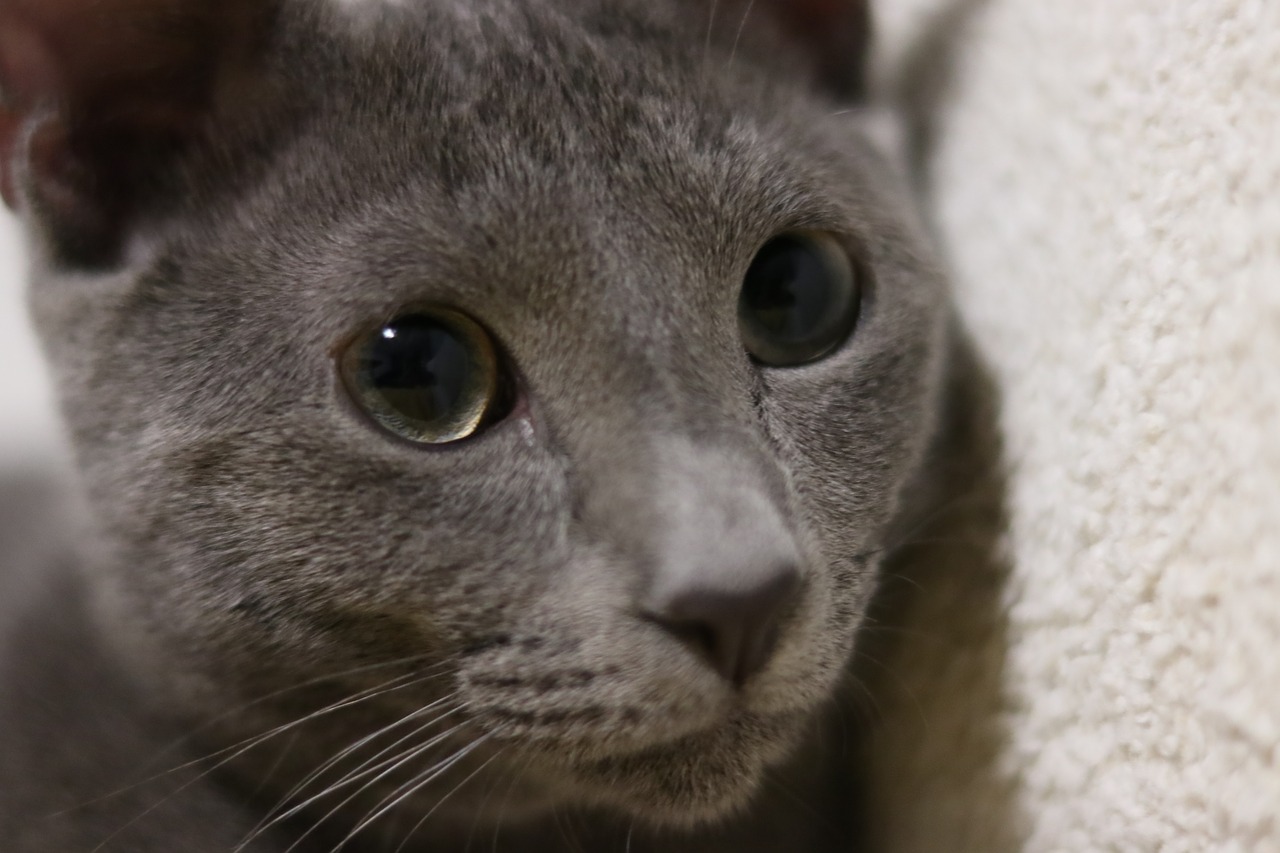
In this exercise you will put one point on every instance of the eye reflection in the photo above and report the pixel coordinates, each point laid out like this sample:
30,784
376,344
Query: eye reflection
800,299
430,376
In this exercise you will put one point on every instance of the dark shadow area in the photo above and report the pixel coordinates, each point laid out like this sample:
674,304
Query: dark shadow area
929,675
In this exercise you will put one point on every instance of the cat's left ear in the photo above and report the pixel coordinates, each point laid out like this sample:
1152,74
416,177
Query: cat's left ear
98,96
836,34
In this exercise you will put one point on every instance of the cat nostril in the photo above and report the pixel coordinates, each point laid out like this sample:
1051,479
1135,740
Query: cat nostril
734,628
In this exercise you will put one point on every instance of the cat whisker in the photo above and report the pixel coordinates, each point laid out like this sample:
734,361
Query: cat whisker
484,807
473,774
804,805
367,693
277,764
236,751
890,671
381,771
871,625
362,742
378,772
578,832
737,38
887,576
506,800
564,834
979,491
564,822
274,816
570,834
865,704
379,766
239,749
276,694
407,790
706,47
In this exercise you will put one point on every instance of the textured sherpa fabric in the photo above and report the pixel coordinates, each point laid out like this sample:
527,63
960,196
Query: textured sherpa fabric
1105,175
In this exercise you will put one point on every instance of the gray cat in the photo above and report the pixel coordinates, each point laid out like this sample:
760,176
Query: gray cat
490,416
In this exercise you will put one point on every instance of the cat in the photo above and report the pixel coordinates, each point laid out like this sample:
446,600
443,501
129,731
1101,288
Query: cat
489,419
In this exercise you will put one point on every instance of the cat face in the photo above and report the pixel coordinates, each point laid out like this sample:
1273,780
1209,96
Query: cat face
641,568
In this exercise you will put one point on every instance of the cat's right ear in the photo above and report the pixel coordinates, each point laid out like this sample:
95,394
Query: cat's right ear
834,34
98,96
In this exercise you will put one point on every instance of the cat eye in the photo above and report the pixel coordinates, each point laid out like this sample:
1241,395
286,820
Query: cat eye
430,376
800,299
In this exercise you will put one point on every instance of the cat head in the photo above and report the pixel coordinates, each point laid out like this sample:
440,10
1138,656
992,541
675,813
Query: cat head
565,360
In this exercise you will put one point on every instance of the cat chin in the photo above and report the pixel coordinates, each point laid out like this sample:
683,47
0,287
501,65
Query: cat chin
692,781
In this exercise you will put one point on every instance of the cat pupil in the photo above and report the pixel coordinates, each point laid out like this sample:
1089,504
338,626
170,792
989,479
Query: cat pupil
420,367
779,274
799,300
429,377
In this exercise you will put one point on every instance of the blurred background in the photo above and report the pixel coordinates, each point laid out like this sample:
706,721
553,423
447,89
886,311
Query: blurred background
28,427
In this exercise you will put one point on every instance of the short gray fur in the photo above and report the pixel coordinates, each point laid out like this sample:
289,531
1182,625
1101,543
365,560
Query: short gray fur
590,178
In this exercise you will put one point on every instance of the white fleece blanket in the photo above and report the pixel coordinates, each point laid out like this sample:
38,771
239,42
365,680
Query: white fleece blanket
1106,177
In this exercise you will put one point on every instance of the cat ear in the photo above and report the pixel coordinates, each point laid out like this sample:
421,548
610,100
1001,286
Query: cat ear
96,96
836,34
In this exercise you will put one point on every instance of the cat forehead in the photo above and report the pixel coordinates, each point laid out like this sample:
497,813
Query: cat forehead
562,148
583,50
359,5
554,112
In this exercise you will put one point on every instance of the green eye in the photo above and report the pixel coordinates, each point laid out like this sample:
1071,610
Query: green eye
430,376
800,299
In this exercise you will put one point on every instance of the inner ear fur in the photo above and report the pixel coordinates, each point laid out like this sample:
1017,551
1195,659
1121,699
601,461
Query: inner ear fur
833,35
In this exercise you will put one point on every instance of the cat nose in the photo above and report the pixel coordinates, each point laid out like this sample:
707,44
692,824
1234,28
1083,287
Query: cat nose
734,624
